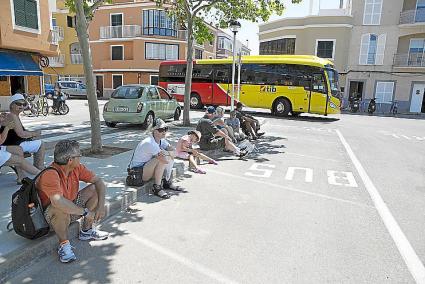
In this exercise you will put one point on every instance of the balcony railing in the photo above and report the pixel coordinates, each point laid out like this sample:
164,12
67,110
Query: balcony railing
120,31
76,59
57,61
56,35
409,60
412,17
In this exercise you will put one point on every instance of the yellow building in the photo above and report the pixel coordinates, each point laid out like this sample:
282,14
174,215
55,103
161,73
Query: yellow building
68,64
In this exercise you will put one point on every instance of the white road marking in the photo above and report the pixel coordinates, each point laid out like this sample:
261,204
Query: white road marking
291,172
292,189
313,157
347,177
183,260
410,257
262,172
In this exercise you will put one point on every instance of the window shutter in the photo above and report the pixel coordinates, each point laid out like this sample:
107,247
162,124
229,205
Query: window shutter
31,14
380,49
364,48
19,9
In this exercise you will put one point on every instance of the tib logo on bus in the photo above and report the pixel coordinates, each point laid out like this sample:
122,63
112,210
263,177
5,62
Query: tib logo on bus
267,89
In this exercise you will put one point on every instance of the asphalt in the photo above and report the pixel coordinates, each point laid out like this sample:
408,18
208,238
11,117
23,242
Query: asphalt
17,253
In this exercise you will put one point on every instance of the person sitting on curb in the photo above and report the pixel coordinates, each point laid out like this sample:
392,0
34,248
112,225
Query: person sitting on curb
13,156
63,203
209,139
28,140
234,124
185,151
156,157
220,123
248,123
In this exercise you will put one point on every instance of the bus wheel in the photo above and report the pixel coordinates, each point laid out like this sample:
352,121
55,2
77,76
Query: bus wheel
195,101
282,107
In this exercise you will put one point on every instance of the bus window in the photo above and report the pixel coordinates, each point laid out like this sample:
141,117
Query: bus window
202,73
333,82
172,73
222,74
319,84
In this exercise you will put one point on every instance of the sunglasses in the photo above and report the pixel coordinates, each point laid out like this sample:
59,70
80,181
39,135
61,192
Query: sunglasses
21,104
165,129
77,156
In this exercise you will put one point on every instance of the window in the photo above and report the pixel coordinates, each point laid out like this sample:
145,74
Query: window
161,51
70,21
157,22
163,94
222,74
416,51
279,46
325,48
172,73
372,12
54,22
372,49
153,94
127,92
26,14
384,92
202,73
198,54
154,79
225,43
116,81
117,52
116,20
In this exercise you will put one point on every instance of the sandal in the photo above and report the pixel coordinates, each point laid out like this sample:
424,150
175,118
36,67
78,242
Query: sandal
198,171
158,191
214,162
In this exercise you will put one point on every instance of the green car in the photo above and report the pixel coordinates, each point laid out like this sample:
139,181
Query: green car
140,104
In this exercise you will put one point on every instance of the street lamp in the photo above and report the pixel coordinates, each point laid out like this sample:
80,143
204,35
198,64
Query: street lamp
234,26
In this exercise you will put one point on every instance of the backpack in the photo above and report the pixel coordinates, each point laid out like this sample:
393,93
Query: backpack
27,211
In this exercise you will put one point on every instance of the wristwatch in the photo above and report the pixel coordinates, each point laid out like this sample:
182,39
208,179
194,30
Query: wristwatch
86,211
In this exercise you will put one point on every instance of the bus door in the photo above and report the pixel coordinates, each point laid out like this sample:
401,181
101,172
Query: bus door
222,85
318,95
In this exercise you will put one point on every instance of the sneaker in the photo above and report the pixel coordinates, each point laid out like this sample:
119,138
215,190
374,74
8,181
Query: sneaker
243,154
93,234
259,134
65,252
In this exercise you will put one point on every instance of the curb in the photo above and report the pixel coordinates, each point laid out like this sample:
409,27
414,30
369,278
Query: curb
20,259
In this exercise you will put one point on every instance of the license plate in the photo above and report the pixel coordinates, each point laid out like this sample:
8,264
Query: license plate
121,109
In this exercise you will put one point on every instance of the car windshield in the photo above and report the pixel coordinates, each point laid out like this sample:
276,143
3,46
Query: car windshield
127,93
334,82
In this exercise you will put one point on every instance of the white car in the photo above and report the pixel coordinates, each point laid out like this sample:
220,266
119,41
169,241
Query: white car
73,89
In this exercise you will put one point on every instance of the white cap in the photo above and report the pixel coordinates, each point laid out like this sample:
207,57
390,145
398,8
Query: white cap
16,97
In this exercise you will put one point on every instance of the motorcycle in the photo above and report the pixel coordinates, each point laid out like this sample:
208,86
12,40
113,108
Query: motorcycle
59,105
372,106
354,105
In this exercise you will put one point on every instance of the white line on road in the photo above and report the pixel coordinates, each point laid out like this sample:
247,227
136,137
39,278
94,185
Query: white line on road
292,189
187,262
410,257
313,157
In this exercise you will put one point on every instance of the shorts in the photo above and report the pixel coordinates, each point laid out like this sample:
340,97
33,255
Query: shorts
215,143
4,156
77,201
183,155
31,146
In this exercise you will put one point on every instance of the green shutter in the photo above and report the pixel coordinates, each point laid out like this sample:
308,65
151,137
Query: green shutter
31,14
19,7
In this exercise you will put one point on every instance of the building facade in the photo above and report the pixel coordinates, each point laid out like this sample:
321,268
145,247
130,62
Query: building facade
378,47
27,38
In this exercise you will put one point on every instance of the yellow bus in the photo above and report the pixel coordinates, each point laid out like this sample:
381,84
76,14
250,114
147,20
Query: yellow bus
282,83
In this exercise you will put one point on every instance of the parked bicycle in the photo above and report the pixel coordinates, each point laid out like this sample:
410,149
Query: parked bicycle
32,107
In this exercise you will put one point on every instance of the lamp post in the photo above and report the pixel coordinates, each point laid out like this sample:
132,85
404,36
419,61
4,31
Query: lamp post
234,27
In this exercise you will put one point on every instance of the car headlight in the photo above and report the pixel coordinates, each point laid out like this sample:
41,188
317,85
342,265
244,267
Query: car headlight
105,107
332,105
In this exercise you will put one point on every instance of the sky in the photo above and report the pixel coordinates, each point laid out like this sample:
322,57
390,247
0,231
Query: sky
249,30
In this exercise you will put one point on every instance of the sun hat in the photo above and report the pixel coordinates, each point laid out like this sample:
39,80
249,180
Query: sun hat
196,133
211,109
158,124
16,97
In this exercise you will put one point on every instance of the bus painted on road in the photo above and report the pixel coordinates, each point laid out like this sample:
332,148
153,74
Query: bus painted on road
282,83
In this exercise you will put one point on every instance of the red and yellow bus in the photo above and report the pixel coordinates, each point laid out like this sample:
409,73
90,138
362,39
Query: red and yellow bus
282,83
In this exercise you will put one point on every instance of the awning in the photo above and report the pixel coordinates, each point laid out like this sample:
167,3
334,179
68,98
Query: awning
18,64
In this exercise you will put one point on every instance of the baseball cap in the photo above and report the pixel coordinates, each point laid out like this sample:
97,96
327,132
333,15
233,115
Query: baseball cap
211,109
159,123
16,97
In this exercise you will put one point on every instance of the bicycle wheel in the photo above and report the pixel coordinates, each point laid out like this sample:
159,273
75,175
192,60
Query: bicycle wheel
63,108
45,109
35,110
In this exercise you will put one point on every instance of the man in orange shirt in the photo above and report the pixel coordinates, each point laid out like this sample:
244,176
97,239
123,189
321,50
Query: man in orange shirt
64,203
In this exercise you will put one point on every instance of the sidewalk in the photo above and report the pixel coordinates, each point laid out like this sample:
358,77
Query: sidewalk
17,252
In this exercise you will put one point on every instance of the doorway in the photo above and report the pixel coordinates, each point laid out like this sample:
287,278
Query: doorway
356,90
17,84
99,86
417,102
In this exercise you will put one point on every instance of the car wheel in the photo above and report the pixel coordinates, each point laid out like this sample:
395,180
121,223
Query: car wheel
282,107
148,120
110,124
177,114
195,101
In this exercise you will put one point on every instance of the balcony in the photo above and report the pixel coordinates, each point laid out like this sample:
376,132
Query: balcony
76,59
56,35
120,31
411,17
409,60
58,61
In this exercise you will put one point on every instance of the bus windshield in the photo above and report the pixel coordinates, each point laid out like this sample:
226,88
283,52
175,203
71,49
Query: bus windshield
334,82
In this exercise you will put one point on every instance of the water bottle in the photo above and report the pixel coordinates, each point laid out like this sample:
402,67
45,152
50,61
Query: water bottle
37,219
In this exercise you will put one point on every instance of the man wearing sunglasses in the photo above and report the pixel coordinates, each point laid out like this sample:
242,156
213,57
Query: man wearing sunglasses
155,157
29,141
64,203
